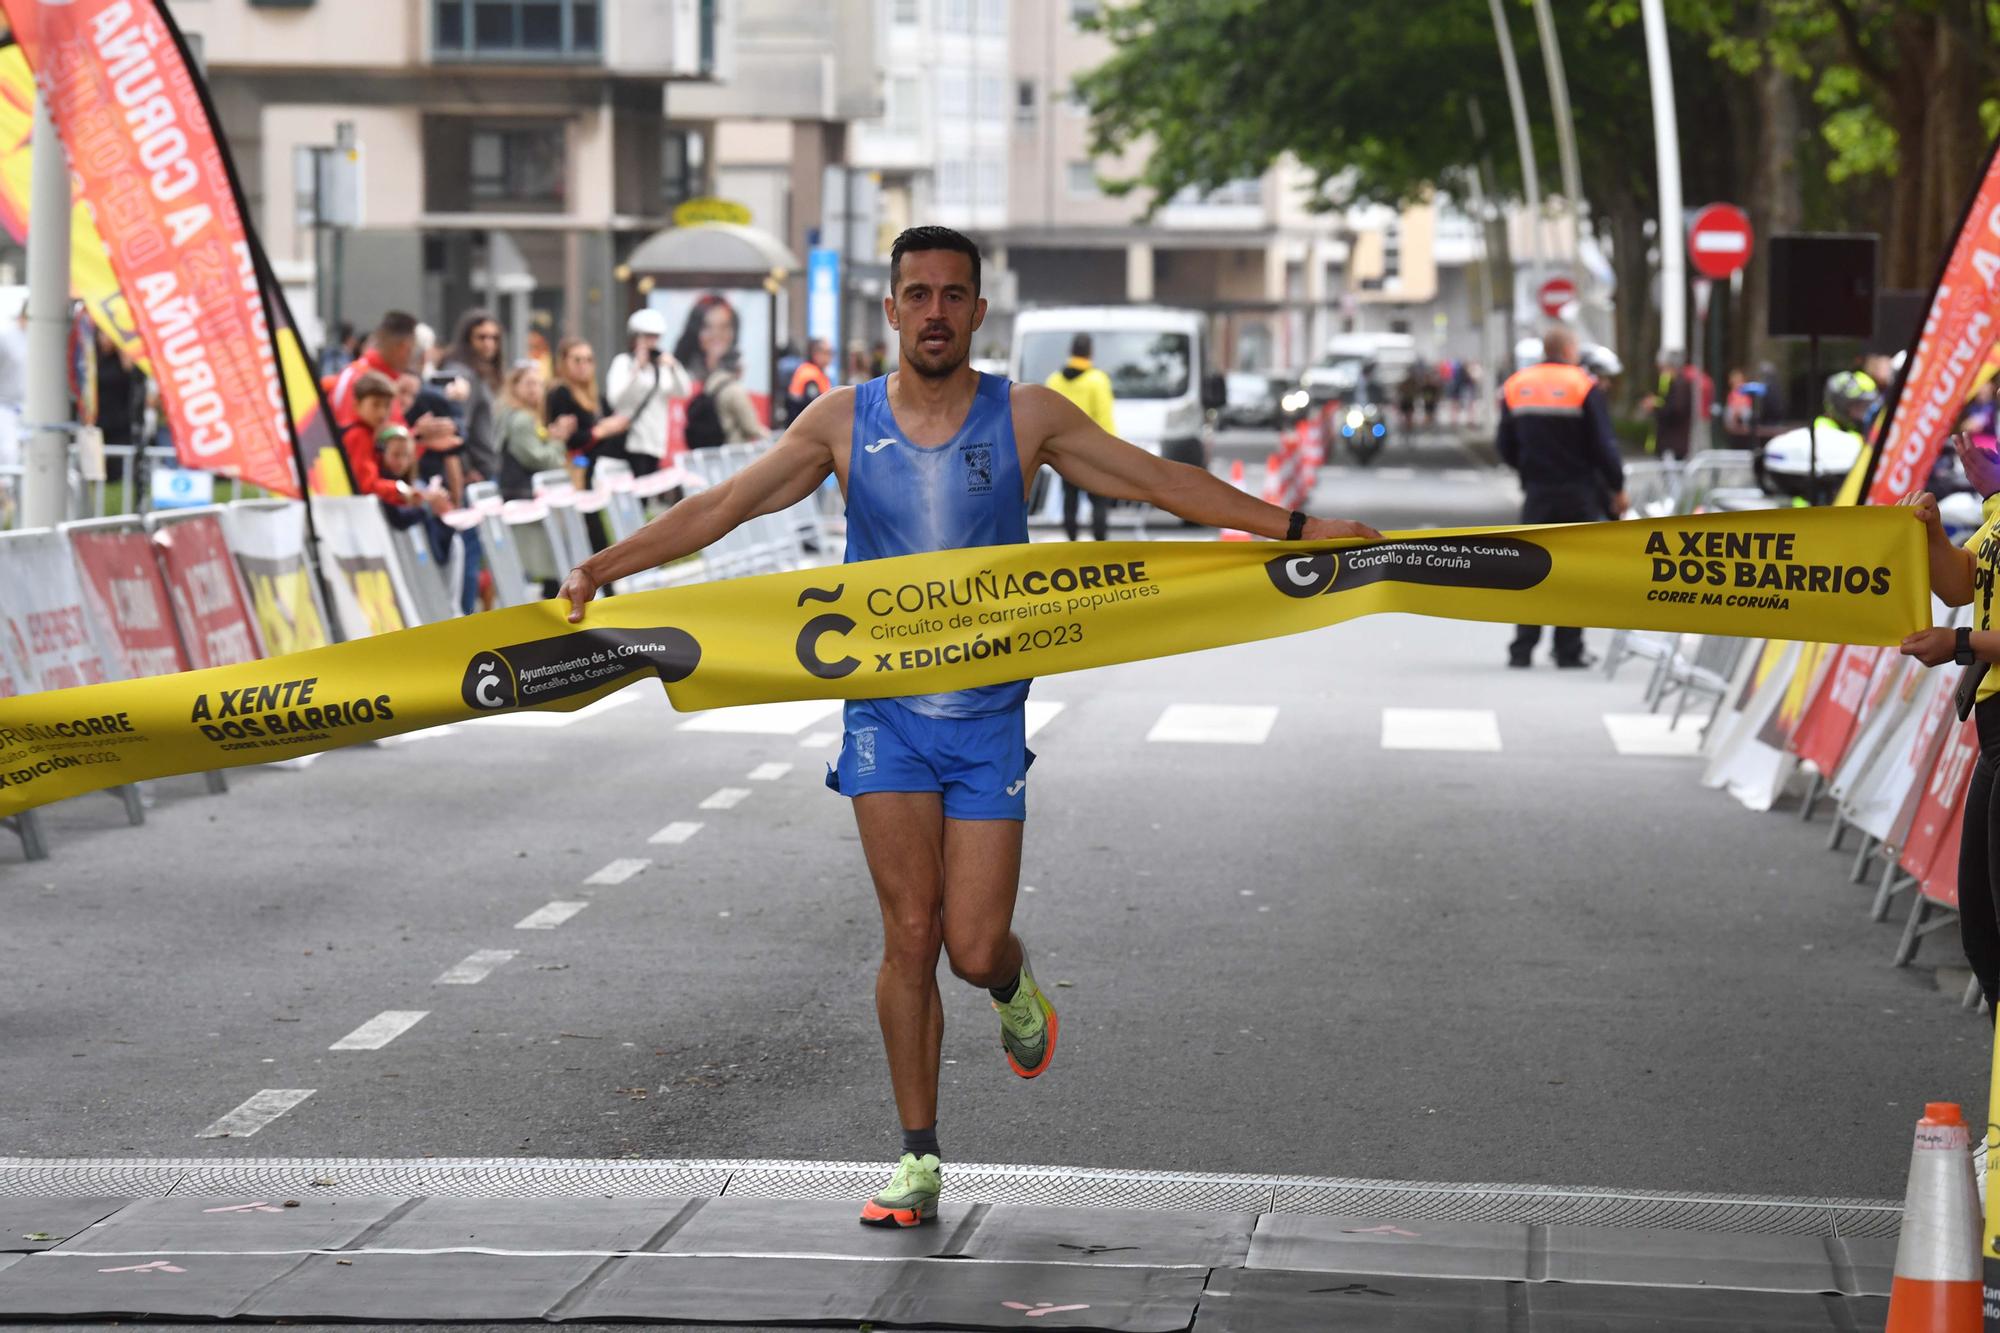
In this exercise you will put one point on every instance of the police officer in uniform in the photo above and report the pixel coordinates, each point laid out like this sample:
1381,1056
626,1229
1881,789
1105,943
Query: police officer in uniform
1555,430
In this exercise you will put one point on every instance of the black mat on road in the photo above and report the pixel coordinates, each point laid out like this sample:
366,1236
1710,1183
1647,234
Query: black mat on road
1159,1238
940,1292
1558,1308
43,1224
394,1287
208,1286
545,1225
234,1225
826,1228
1304,1243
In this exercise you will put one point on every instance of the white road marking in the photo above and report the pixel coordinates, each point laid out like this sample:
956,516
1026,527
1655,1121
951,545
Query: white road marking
677,832
476,967
820,740
253,1115
1215,724
428,733
546,720
728,798
1465,474
786,719
549,917
1440,729
617,872
1654,733
380,1030
769,772
1040,714
1396,473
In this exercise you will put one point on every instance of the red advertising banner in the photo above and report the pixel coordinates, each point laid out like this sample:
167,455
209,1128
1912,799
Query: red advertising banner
146,159
1834,714
216,623
1930,852
121,582
1959,330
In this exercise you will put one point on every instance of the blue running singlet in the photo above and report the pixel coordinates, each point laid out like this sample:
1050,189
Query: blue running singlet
905,499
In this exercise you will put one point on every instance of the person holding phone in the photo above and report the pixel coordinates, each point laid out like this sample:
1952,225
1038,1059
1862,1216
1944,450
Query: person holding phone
1961,575
639,384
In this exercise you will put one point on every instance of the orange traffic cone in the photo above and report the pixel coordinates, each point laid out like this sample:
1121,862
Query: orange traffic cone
1937,1283
1236,480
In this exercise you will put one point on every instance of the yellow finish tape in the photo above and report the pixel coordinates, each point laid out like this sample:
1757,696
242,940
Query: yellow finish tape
953,619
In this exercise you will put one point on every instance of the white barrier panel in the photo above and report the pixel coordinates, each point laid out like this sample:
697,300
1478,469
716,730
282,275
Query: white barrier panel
369,596
432,585
218,624
268,539
42,607
1877,802
1890,700
1753,771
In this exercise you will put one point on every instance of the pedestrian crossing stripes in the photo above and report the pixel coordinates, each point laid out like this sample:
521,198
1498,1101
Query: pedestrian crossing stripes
1214,724
1440,729
380,1030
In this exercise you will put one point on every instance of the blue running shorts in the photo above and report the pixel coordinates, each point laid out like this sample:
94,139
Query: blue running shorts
979,764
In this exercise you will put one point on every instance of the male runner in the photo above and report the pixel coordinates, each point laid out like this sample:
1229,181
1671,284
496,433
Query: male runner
932,457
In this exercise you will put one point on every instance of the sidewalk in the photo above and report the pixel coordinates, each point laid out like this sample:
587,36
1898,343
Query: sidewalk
739,1243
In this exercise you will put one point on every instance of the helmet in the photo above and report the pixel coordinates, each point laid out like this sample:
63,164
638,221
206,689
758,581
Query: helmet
1602,362
646,322
1850,398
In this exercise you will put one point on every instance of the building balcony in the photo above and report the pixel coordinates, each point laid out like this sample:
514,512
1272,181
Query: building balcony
657,38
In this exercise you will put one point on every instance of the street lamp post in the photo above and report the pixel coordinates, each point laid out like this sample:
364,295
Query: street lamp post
1667,147
1531,178
45,405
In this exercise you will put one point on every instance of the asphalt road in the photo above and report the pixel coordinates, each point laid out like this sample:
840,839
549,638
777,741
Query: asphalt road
1547,962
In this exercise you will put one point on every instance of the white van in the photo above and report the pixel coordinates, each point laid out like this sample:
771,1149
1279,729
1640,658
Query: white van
1162,381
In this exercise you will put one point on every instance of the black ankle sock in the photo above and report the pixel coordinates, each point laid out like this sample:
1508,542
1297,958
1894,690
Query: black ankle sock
921,1141
1006,992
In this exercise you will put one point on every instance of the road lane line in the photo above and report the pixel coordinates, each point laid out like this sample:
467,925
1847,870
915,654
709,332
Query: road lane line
783,719
676,833
726,799
1440,729
617,872
1215,724
1655,733
549,917
547,721
1040,714
820,740
262,1108
769,772
476,967
380,1030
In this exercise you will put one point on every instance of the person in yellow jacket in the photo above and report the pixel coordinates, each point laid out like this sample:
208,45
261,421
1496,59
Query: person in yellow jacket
1090,389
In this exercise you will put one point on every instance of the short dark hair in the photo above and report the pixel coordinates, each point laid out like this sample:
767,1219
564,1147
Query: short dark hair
373,384
397,324
1080,345
917,239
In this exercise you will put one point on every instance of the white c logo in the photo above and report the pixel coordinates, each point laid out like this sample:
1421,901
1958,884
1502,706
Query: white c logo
479,690
1292,567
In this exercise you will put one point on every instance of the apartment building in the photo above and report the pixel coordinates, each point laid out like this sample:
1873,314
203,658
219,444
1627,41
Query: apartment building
500,148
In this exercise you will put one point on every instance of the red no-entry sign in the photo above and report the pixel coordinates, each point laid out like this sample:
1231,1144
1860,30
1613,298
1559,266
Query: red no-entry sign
1556,295
1719,240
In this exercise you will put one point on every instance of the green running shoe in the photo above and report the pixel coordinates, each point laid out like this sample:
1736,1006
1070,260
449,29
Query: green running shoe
1028,1026
909,1198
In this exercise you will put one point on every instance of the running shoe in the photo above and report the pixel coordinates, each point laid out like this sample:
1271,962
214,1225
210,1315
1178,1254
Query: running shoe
909,1198
1028,1026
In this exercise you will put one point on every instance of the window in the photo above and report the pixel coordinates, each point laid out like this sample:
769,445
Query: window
992,97
954,94
681,153
517,167
993,17
955,15
515,29
991,183
1142,363
951,182
1080,10
1024,102
908,13
1083,181
906,106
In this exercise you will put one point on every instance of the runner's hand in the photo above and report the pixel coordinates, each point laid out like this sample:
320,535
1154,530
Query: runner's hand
1325,529
1621,505
1926,506
578,588
1932,647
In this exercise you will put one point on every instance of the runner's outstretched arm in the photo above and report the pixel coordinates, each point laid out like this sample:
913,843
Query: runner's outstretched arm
796,465
1097,461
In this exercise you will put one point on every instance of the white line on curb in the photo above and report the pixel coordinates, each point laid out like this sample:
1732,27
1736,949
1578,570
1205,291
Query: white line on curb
726,799
476,967
253,1115
677,832
549,917
380,1030
769,772
617,872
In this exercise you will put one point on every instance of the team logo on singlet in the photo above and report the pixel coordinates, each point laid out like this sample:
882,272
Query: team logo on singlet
864,749
978,459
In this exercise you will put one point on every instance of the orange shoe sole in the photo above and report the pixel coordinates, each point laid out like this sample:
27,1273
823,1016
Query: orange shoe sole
1048,1051
874,1214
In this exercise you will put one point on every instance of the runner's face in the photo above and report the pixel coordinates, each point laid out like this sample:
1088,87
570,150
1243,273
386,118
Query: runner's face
934,311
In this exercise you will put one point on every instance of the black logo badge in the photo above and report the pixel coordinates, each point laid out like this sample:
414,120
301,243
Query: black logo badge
978,467
1505,563
530,675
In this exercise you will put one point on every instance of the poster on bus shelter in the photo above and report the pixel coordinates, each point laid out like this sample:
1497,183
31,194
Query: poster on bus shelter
705,324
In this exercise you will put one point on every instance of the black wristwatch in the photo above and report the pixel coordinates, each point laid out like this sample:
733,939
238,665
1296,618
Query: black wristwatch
1963,654
1298,526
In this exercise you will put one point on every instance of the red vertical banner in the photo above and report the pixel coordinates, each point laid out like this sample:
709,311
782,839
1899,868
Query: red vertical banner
149,163
216,621
122,583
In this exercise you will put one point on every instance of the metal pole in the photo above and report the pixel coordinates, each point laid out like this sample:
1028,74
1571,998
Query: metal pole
1572,176
45,408
1531,178
1667,145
